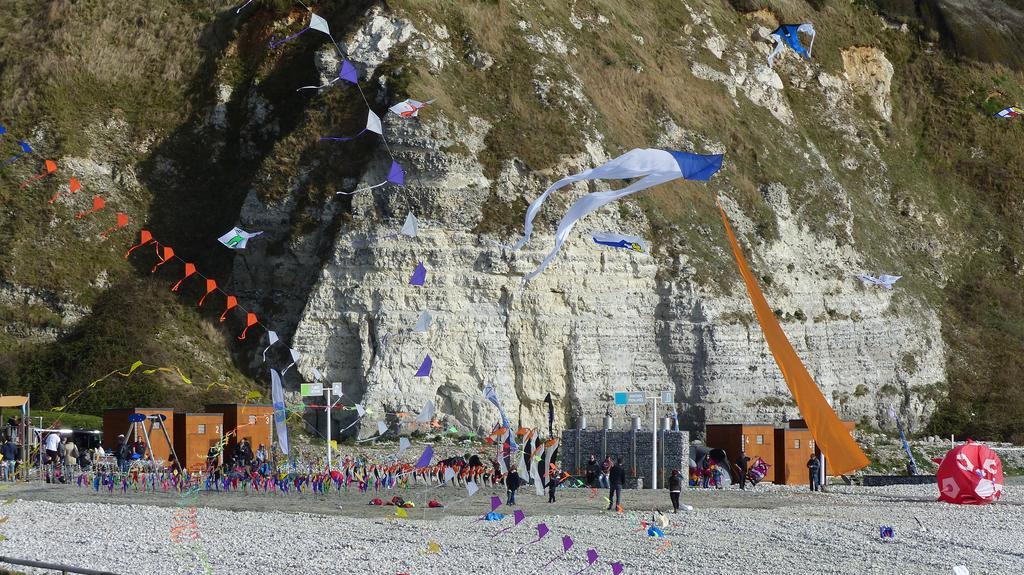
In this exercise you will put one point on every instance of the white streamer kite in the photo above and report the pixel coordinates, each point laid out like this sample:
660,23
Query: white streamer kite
652,166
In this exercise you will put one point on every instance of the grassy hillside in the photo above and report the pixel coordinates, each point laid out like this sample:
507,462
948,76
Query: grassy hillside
132,86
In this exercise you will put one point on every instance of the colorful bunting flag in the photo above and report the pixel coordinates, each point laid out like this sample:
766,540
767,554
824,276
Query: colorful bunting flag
97,204
211,286
229,305
190,269
250,320
165,256
122,221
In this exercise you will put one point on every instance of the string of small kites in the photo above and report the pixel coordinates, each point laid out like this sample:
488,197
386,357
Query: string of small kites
165,254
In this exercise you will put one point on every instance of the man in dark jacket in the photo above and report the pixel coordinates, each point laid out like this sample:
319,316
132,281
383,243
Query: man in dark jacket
616,478
742,464
10,459
593,469
512,482
122,453
813,472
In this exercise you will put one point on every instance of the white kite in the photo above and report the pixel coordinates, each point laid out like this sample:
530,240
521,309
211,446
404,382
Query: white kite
372,125
237,238
409,108
271,340
295,358
427,413
885,281
411,226
651,166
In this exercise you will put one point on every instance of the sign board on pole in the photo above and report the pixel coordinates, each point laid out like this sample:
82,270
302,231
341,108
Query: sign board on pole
311,389
667,397
630,398
336,389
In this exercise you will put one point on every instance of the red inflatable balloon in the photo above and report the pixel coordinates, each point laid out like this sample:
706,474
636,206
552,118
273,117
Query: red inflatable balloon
970,474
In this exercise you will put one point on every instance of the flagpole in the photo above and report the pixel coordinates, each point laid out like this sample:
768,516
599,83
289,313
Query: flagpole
328,429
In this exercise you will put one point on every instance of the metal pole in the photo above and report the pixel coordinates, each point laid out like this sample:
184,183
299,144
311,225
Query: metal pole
328,429
654,446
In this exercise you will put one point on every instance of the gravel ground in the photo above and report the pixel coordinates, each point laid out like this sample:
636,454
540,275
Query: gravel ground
771,530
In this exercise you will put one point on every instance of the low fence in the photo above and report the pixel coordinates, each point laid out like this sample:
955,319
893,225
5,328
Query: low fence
52,566
884,480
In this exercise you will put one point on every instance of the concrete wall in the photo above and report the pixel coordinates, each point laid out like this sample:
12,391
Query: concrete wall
633,447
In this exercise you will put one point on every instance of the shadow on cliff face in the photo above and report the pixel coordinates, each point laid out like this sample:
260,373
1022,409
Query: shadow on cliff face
689,386
983,30
200,175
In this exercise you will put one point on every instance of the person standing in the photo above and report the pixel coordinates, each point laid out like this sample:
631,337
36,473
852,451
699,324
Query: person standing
813,471
675,486
53,454
553,480
9,451
70,455
512,483
743,463
592,471
122,454
616,478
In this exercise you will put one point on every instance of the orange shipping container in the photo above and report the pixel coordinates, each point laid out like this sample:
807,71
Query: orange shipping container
793,447
753,439
245,421
194,435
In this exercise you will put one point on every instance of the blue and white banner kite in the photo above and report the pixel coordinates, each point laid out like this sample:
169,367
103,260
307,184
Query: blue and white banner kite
492,396
651,166
788,35
280,413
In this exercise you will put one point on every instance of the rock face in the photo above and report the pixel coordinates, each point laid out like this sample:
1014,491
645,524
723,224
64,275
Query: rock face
601,320
869,72
986,30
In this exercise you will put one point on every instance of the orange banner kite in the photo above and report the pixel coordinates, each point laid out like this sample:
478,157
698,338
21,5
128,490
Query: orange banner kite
843,453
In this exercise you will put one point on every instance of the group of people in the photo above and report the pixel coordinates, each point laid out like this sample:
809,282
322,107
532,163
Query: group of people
126,452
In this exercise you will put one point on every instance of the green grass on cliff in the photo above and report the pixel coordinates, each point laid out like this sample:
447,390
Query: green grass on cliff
949,222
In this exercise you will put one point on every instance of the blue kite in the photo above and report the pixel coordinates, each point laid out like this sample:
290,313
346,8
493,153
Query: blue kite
788,35
617,240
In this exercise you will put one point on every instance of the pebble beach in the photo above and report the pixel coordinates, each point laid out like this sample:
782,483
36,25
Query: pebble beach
771,529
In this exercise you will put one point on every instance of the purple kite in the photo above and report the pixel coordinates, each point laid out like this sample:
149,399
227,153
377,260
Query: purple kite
518,515
347,72
616,568
396,175
419,275
542,530
428,455
566,546
424,370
